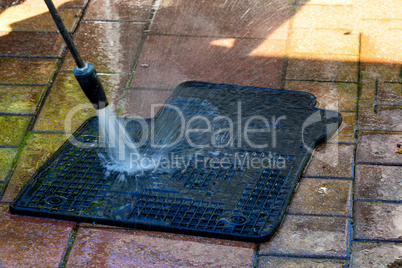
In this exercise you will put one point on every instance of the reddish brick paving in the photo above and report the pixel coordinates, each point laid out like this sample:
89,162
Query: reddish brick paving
347,209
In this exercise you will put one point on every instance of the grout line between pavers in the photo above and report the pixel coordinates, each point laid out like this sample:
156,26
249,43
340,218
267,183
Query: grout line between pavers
69,246
33,31
384,201
9,146
315,257
391,241
327,177
318,215
254,261
145,33
15,162
119,21
376,241
22,84
16,114
356,137
209,36
397,164
322,81
349,235
30,57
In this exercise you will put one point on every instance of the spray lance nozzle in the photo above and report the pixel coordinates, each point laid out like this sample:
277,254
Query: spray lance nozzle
90,84
84,72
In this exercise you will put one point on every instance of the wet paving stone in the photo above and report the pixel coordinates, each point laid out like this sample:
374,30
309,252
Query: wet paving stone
120,248
322,196
376,255
20,99
275,262
309,236
391,94
7,157
379,148
331,160
110,46
378,182
38,149
306,42
143,103
31,44
36,18
385,118
378,44
123,10
13,129
325,17
222,18
32,242
166,61
41,4
347,130
376,221
323,68
67,107
325,2
369,10
381,71
368,87
334,96
26,71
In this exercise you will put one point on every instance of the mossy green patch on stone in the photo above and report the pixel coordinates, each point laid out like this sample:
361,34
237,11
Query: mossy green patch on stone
12,129
26,71
7,157
66,107
20,99
39,148
330,95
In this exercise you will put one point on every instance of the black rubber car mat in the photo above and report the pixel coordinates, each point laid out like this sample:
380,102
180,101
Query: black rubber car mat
224,161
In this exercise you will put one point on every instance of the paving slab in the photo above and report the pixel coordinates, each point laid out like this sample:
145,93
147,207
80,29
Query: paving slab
377,221
32,242
322,196
38,149
379,148
26,71
13,129
18,99
7,158
121,248
331,160
122,10
166,61
274,262
378,183
309,236
257,19
110,46
376,255
34,17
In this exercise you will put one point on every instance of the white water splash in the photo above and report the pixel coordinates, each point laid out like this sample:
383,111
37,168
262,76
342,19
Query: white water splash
120,148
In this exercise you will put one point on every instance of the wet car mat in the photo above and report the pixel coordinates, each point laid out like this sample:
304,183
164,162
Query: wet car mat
223,162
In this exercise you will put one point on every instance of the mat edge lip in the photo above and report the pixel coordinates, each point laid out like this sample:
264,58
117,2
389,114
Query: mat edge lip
225,85
145,227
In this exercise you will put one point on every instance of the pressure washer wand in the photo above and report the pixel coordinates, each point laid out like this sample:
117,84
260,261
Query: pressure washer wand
85,73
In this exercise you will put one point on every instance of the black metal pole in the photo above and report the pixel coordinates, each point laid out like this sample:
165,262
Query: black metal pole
64,32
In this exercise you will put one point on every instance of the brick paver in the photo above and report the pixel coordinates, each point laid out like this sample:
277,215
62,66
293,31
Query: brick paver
97,247
347,53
